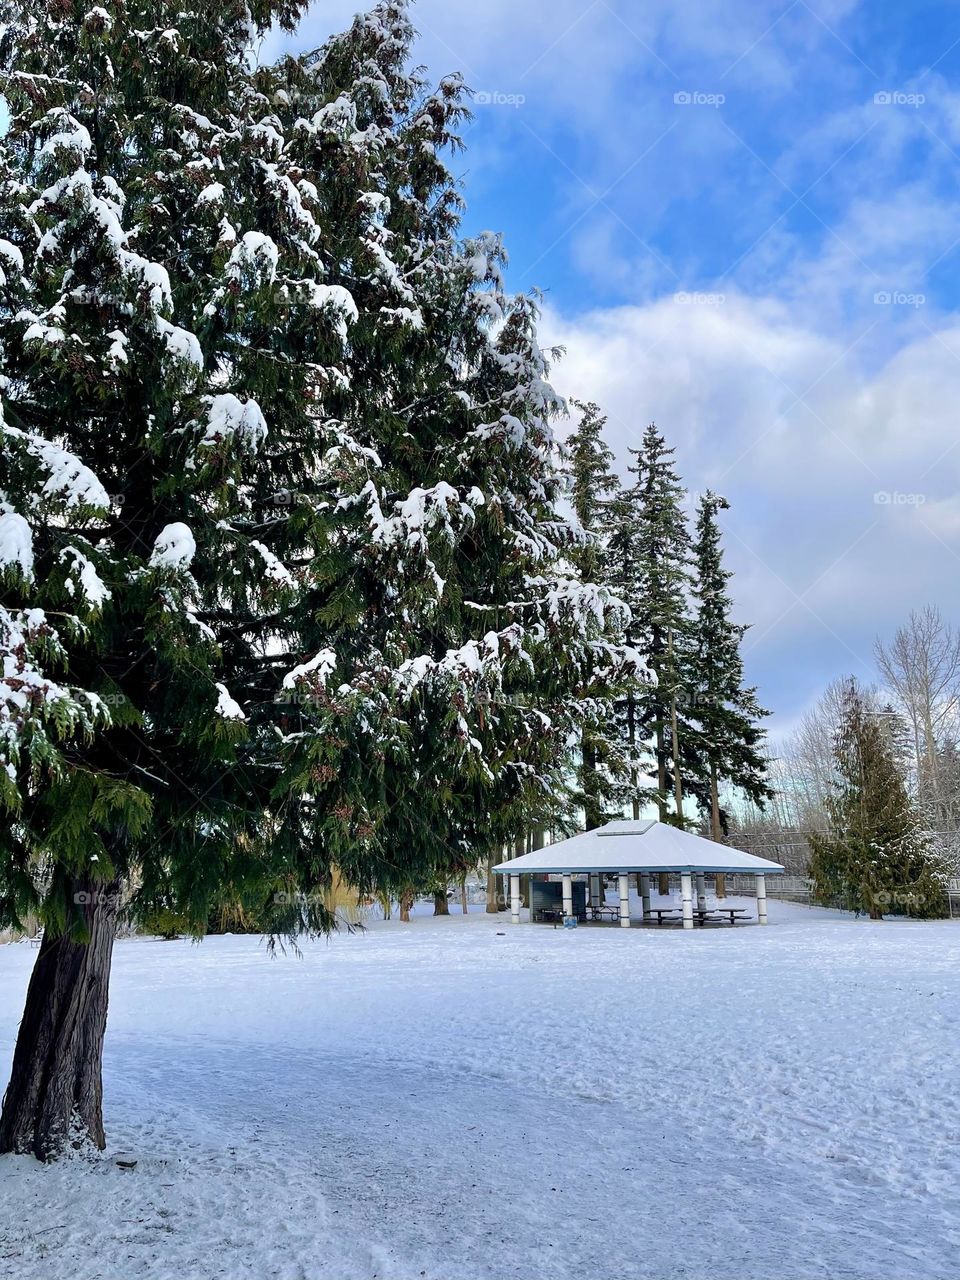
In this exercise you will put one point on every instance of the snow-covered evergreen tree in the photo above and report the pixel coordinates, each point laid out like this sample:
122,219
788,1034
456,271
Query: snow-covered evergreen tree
137,179
876,858
607,763
726,710
490,647
285,589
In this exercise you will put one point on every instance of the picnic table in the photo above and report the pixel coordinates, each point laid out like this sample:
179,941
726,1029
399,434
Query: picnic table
713,915
660,912
603,910
732,912
701,915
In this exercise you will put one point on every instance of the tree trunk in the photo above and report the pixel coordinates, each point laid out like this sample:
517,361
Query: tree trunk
591,811
720,880
663,883
675,737
493,906
715,830
463,895
441,907
632,739
661,773
56,1086
406,902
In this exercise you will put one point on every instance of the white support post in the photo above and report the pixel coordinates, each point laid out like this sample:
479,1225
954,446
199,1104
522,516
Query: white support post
686,896
595,896
645,894
624,883
514,899
761,899
568,896
701,892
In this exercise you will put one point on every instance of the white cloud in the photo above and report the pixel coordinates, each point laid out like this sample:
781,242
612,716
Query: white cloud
842,474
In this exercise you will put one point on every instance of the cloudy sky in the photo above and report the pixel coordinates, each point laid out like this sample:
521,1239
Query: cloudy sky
744,217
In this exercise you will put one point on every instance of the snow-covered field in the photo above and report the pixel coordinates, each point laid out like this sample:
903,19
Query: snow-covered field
460,1098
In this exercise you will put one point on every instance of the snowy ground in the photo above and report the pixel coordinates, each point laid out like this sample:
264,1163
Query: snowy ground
458,1098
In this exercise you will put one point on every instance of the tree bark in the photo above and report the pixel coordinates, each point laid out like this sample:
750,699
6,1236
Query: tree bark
463,895
720,886
661,772
493,906
592,816
715,831
675,738
56,1085
632,739
441,907
406,902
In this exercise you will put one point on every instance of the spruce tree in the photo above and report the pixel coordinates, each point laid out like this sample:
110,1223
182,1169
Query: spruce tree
876,857
593,484
649,554
604,770
727,712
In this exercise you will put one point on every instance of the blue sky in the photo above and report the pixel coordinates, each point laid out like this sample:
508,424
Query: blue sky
744,218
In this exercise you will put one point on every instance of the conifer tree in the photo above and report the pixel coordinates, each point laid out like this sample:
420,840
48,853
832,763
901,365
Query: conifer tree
138,174
605,758
649,553
498,649
876,857
285,591
593,483
727,712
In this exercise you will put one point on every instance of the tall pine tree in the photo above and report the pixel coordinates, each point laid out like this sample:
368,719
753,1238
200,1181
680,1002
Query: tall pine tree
649,555
727,712
606,761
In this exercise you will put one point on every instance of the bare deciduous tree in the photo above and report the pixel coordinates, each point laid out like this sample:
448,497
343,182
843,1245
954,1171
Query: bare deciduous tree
921,666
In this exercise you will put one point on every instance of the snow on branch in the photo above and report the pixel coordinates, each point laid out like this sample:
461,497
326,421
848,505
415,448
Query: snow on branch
68,479
174,547
231,418
16,544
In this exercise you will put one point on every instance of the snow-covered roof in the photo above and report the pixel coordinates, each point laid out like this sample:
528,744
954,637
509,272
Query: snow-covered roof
638,846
